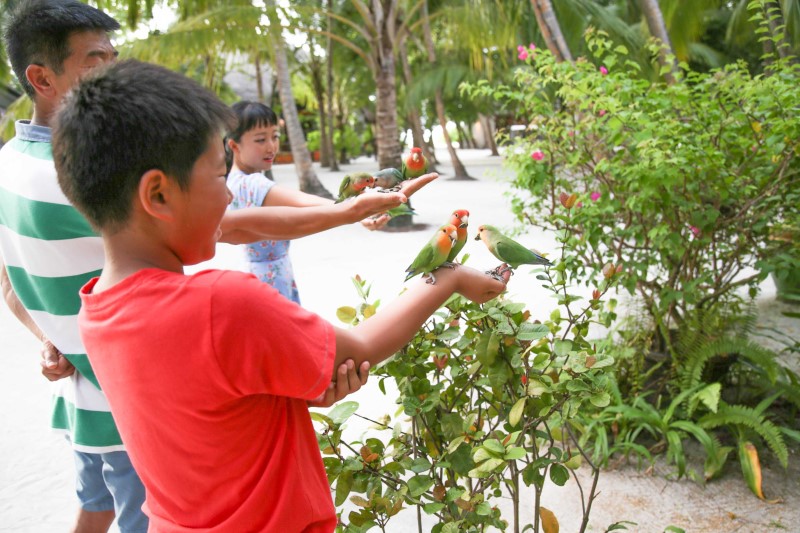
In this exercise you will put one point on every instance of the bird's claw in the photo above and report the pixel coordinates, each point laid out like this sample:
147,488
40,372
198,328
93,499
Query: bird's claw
431,279
449,264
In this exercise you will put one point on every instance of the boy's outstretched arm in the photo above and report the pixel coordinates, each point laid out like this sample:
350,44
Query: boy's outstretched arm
383,334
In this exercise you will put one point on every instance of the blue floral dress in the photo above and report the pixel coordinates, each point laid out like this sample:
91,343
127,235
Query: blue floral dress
267,260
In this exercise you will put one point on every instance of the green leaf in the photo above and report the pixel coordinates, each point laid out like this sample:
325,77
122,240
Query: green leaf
514,453
342,412
343,486
432,508
487,348
600,399
494,445
532,332
483,509
346,314
516,412
418,485
420,464
559,474
562,347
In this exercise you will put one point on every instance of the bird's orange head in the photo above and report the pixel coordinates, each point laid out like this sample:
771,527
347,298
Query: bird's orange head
415,159
446,237
459,218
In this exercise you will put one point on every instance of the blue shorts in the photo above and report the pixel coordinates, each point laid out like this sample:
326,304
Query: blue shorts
108,482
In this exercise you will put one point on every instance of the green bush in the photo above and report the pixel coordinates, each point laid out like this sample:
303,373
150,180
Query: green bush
488,400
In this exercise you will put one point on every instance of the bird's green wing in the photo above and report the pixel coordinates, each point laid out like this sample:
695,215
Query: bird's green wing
512,252
344,185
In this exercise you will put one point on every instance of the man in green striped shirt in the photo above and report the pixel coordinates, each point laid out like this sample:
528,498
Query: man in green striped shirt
50,251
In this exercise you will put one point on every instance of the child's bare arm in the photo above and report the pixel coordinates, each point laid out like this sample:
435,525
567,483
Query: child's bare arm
385,333
280,222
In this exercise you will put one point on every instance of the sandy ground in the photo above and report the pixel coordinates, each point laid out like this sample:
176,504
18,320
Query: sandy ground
36,471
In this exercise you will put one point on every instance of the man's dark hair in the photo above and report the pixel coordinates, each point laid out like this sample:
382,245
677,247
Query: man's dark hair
36,32
251,115
124,120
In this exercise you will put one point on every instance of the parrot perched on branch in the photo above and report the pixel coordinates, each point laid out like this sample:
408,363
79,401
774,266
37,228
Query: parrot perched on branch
354,184
460,219
433,254
415,165
507,250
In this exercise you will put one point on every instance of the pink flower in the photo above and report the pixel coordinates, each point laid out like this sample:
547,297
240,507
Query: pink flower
695,230
595,196
537,155
579,204
523,55
532,47
571,133
520,48
603,71
602,112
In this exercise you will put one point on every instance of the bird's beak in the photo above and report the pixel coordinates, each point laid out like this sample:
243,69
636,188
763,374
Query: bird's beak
477,237
464,222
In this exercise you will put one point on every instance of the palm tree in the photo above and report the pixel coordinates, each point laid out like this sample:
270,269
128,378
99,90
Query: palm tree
655,23
551,31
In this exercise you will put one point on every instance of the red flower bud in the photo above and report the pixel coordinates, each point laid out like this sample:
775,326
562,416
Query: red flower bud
609,270
568,200
595,294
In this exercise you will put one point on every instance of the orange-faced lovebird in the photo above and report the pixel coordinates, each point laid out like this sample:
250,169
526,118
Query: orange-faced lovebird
433,254
415,165
354,184
460,219
508,250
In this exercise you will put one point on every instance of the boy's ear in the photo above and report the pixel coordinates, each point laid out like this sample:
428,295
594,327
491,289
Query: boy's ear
39,77
155,192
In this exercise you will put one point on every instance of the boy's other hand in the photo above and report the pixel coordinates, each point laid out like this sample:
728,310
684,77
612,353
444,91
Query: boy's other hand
376,222
480,287
54,365
348,381
409,187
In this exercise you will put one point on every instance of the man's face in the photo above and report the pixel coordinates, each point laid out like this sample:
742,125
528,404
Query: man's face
87,51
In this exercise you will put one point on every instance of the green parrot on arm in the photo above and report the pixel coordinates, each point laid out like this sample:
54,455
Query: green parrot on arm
354,184
433,254
388,178
460,219
507,250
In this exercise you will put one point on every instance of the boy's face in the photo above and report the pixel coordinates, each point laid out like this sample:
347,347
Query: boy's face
201,207
87,51
257,149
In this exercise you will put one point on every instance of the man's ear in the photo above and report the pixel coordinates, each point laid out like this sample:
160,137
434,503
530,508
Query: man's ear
40,78
155,192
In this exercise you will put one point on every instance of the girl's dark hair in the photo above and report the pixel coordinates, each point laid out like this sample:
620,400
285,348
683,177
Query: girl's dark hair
36,33
249,115
124,120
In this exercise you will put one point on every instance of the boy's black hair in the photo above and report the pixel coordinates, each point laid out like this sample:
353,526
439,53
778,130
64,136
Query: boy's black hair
124,120
251,115
36,33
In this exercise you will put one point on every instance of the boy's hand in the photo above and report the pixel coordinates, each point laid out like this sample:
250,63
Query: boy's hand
376,222
348,381
54,365
474,285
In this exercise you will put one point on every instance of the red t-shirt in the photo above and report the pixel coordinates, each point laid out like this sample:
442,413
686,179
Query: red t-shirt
207,377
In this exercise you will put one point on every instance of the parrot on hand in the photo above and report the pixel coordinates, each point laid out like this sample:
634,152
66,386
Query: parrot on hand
460,219
400,210
388,179
415,165
354,184
433,254
507,250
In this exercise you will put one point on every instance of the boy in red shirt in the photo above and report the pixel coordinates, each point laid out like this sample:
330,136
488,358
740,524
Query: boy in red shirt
207,375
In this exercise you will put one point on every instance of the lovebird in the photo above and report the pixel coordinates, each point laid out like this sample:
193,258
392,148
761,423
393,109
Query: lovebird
507,250
388,178
415,165
433,254
460,219
400,210
354,184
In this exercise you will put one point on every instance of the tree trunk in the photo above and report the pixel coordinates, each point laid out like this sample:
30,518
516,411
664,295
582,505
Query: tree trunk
413,115
458,166
551,31
302,158
389,150
655,23
327,135
777,29
259,79
488,133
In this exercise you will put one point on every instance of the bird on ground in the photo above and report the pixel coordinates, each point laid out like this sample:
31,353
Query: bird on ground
460,219
508,250
433,254
354,184
415,165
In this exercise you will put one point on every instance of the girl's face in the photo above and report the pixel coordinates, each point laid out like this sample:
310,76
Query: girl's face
257,149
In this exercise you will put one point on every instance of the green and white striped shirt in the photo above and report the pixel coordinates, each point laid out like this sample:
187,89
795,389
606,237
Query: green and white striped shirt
50,251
